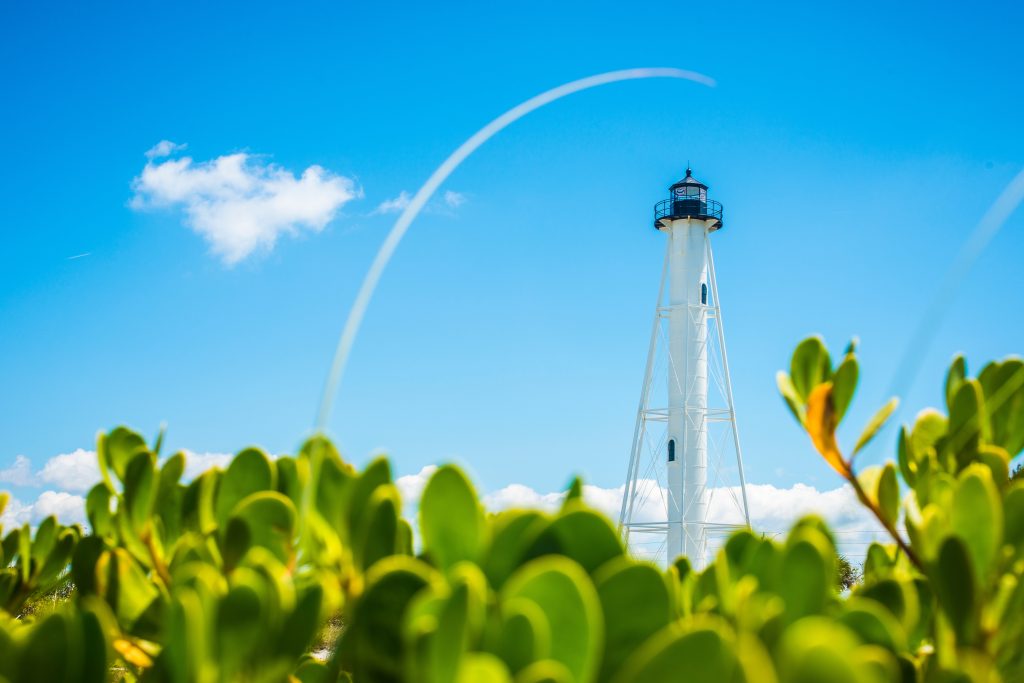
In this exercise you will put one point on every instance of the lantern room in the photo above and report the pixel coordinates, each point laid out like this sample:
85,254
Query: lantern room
687,199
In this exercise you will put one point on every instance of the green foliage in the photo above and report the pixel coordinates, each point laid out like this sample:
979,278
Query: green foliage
955,584
302,568
847,574
33,565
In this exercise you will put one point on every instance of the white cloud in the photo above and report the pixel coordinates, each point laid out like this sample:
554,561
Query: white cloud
454,199
13,515
197,463
411,486
773,510
164,148
18,474
68,508
521,496
450,201
76,471
238,202
394,205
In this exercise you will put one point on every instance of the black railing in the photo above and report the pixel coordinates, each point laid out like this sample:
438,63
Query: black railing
686,207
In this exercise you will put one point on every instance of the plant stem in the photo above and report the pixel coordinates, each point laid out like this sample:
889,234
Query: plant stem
863,496
158,563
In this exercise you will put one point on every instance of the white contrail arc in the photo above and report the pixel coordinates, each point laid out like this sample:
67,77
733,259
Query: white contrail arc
401,226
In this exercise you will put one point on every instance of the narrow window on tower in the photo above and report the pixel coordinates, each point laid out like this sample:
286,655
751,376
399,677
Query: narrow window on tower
704,294
671,450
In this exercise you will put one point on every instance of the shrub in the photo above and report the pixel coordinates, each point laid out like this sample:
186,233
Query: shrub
234,575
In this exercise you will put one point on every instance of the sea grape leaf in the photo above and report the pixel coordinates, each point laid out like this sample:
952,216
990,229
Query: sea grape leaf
954,378
636,605
583,536
117,448
545,671
874,624
1013,512
821,427
372,644
271,519
524,634
818,649
451,518
978,517
140,490
514,532
844,385
705,654
810,366
1003,386
250,471
356,493
566,595
966,422
791,397
808,577
379,536
480,667
954,582
875,425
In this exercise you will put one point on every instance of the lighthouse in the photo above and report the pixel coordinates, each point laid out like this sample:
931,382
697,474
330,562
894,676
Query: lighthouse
679,462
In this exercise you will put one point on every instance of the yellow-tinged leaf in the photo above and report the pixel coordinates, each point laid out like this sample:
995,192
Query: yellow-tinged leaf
821,426
132,653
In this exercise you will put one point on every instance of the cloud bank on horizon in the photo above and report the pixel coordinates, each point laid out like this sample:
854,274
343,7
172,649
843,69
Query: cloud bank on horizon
68,476
240,203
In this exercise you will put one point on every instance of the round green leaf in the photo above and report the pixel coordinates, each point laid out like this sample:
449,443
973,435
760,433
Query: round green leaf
116,449
874,624
809,579
270,517
451,518
703,655
978,517
524,636
514,532
954,582
379,536
844,385
819,649
565,594
810,366
966,422
545,671
636,605
582,535
1013,511
481,667
1003,384
250,471
372,646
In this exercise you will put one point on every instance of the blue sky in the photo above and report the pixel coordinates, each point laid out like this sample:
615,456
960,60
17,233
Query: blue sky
853,148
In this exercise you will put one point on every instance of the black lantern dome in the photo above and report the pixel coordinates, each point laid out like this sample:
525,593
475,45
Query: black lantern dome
687,199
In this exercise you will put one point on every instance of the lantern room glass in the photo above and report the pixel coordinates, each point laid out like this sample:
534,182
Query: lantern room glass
692,192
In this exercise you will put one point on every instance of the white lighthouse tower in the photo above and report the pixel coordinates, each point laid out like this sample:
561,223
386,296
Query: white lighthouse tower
684,490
